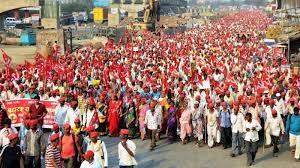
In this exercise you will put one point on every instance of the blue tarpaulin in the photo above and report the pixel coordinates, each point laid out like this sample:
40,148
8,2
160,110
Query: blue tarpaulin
101,3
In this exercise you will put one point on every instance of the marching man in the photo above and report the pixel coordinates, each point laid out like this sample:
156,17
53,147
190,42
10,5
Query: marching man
275,124
152,123
72,113
237,121
293,128
98,147
197,123
90,117
251,128
126,151
213,125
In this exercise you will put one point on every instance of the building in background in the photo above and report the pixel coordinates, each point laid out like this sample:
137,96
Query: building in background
288,4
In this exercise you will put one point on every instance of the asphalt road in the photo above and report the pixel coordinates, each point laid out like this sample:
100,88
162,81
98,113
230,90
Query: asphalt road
190,156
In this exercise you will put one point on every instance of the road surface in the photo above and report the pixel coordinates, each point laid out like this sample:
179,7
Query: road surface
189,156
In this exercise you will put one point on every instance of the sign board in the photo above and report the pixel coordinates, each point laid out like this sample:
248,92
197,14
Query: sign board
16,108
101,3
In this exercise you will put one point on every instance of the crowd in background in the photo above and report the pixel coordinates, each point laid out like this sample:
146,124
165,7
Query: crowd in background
217,83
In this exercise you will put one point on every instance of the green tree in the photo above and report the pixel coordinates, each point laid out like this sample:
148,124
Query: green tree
77,6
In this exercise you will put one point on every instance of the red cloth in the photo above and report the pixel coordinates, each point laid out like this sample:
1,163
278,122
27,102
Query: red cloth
35,113
94,134
113,116
68,146
54,137
13,136
88,155
124,131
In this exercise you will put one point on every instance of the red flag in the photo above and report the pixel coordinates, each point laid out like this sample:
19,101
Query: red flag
213,58
10,72
200,79
29,65
6,58
165,84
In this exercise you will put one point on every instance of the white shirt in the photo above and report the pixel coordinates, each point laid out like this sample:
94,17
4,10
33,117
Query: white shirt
124,157
252,110
60,114
237,122
94,164
87,117
212,118
96,148
251,135
268,111
280,106
158,110
152,121
275,125
4,133
72,115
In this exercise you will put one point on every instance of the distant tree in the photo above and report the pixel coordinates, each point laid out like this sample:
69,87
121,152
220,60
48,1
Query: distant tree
78,6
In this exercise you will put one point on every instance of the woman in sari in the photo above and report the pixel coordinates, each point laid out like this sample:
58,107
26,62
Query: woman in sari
114,110
102,112
143,108
131,120
185,124
172,122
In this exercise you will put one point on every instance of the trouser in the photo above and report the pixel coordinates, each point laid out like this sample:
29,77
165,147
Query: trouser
238,143
198,129
69,162
295,143
251,148
153,138
32,162
275,140
226,136
268,137
261,133
172,134
126,166
211,135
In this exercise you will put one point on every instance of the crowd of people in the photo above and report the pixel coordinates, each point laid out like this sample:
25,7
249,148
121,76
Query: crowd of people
217,83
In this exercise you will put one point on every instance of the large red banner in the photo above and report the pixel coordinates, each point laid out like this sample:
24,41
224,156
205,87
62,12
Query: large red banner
16,108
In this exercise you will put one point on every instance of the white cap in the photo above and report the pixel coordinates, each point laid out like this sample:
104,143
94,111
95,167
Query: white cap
277,94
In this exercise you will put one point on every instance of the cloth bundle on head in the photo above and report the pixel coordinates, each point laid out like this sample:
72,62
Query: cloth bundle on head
90,128
211,105
55,126
13,136
124,131
77,120
88,155
33,123
63,99
26,122
74,103
93,134
54,137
